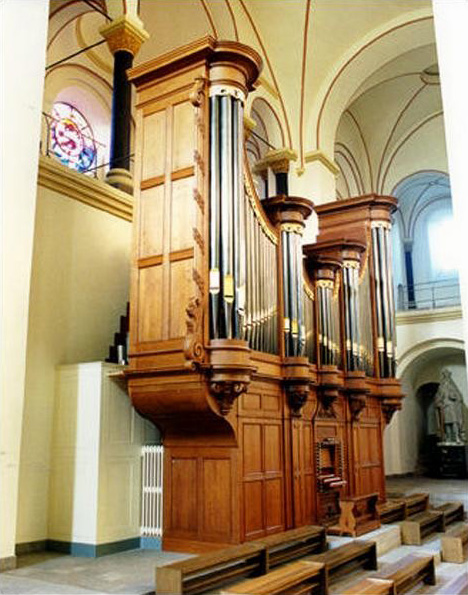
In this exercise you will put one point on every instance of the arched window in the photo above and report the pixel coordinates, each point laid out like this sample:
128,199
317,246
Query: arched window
71,137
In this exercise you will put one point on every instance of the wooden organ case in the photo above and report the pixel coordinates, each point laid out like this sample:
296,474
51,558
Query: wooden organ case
268,367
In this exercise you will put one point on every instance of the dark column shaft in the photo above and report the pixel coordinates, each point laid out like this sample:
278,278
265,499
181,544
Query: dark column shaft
409,277
282,183
121,112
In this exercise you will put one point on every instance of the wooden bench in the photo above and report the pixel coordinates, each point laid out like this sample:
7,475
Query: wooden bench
392,511
409,571
456,586
295,543
371,586
454,544
359,515
297,578
212,570
347,557
453,512
420,525
414,503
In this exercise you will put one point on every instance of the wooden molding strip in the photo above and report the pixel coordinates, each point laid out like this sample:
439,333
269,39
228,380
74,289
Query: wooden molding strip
181,255
150,261
151,182
92,192
185,172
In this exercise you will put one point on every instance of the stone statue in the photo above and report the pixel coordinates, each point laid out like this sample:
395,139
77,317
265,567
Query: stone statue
449,407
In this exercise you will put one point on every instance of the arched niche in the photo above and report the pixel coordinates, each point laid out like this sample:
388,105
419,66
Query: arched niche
418,366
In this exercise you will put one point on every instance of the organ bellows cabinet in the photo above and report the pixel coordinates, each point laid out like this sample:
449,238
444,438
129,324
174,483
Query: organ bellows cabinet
249,351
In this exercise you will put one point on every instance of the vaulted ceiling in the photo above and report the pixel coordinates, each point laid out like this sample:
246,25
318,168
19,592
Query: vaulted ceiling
340,76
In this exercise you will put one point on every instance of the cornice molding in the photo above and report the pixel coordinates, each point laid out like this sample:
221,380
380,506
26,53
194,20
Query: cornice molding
425,316
92,192
324,160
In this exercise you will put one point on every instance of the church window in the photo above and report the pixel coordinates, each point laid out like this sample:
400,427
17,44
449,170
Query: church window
71,137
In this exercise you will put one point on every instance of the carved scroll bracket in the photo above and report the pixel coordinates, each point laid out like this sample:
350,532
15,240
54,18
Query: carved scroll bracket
330,383
357,390
391,395
389,407
193,347
297,381
230,371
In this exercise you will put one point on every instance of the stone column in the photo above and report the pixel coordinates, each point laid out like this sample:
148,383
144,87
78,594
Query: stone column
124,37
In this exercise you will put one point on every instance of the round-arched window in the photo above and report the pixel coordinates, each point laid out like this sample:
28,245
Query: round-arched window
71,137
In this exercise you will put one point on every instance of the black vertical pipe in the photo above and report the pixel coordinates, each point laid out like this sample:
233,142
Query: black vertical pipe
121,112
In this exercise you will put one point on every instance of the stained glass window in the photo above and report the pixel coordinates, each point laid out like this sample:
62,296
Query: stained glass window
71,137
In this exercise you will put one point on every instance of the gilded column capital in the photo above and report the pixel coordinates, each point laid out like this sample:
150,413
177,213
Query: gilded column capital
278,160
125,33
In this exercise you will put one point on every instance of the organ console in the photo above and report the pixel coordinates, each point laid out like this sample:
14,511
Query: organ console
268,366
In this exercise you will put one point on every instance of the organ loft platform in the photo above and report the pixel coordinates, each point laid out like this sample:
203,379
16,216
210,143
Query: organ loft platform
267,364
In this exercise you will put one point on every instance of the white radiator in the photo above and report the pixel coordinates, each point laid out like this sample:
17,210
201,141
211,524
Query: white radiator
151,492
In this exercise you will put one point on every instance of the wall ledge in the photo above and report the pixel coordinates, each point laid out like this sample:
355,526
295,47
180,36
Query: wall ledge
428,316
92,192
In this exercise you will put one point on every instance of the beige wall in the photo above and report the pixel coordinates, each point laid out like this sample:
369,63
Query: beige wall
23,35
79,288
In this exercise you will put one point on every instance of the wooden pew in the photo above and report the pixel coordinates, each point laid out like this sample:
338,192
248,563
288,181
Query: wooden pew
359,515
210,571
392,511
371,586
414,503
420,525
409,571
454,544
347,557
295,543
456,586
296,578
453,512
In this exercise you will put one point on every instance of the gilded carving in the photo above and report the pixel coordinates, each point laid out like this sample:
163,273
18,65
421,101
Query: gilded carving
124,33
199,281
199,239
199,199
197,93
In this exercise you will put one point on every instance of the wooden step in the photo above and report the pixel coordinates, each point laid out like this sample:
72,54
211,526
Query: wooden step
414,503
454,544
420,525
453,512
371,586
409,571
296,578
348,556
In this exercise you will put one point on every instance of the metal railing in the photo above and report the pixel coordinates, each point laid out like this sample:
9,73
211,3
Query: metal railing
430,295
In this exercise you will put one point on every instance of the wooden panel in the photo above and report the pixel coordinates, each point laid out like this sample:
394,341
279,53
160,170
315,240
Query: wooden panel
217,512
151,221
253,498
272,448
154,141
252,448
274,504
181,292
150,304
182,142
182,205
251,401
184,481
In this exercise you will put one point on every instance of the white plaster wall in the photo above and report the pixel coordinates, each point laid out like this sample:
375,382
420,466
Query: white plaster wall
23,35
79,288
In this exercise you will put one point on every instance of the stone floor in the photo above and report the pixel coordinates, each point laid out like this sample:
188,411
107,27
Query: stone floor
132,572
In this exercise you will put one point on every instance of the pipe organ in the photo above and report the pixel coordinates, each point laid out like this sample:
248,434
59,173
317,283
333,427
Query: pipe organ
267,365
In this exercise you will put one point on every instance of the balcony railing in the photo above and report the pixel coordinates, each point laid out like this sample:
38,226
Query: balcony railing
430,295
